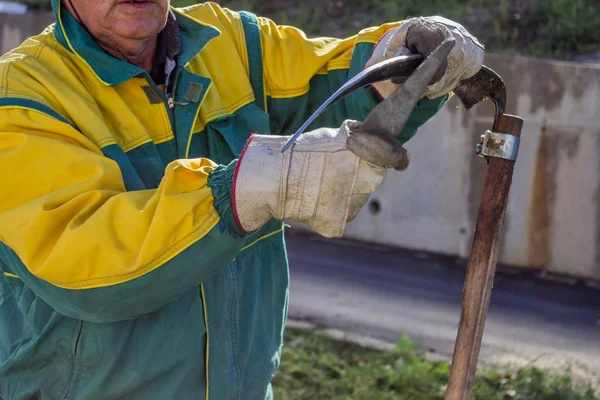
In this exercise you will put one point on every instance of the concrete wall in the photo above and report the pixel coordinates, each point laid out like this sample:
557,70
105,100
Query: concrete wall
553,219
14,29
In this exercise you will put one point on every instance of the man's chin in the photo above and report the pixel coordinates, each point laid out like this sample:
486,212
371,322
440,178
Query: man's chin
137,30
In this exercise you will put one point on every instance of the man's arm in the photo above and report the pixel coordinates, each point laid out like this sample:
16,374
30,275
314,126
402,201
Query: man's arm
300,73
89,248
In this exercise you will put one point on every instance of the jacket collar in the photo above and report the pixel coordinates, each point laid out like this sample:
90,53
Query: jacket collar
194,34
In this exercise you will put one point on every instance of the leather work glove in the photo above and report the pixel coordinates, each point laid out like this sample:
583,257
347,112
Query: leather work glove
423,35
318,181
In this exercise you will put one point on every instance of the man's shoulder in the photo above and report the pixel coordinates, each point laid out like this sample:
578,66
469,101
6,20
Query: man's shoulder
222,18
38,56
34,48
206,9
28,71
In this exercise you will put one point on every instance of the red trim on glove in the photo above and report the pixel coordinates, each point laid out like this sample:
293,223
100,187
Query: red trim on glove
378,93
234,184
373,51
381,38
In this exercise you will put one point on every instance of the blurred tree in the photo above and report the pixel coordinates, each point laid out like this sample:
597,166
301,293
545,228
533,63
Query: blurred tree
546,28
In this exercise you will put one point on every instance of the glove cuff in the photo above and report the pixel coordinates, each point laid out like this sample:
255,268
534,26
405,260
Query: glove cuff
257,182
234,184
220,182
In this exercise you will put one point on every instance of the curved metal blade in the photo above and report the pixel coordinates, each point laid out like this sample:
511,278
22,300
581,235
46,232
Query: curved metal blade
486,84
398,68
390,116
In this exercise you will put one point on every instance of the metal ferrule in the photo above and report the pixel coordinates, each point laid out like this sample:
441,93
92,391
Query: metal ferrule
499,145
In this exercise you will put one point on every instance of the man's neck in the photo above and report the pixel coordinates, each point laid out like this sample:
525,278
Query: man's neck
137,52
141,54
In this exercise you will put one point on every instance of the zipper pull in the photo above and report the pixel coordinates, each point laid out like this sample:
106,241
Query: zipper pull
172,103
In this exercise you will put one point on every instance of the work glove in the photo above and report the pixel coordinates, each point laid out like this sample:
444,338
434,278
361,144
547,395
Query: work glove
318,181
423,35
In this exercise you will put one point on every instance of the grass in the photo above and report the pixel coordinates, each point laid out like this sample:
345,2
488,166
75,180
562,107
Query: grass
315,366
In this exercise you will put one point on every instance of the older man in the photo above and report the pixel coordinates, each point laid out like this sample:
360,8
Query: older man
141,256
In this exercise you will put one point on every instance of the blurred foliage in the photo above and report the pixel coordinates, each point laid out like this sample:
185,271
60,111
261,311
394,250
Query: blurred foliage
546,28
317,367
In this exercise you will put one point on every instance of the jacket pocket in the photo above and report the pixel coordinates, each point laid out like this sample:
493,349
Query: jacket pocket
237,128
147,163
76,375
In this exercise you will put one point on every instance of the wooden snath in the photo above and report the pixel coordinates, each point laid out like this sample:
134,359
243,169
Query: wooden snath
482,266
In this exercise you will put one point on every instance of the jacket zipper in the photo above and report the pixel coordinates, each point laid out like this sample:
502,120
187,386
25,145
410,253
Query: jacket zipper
168,102
168,97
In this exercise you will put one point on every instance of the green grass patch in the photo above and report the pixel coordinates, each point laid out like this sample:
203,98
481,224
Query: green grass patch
315,366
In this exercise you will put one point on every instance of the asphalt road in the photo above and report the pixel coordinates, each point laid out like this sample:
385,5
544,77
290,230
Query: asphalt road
381,294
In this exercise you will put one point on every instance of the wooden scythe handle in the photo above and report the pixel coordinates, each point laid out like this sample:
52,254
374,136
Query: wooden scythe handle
482,266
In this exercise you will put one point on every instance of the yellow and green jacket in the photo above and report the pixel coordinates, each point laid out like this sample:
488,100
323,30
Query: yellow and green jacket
122,271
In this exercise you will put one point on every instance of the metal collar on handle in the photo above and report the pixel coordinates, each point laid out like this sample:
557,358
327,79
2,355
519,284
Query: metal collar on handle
499,145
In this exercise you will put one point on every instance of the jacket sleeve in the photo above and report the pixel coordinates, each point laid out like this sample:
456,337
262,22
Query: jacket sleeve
90,249
301,73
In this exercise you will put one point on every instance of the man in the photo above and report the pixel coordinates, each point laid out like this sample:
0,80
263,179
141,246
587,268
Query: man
141,247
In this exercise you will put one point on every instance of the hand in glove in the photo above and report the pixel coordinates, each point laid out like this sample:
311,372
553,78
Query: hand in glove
318,181
423,35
